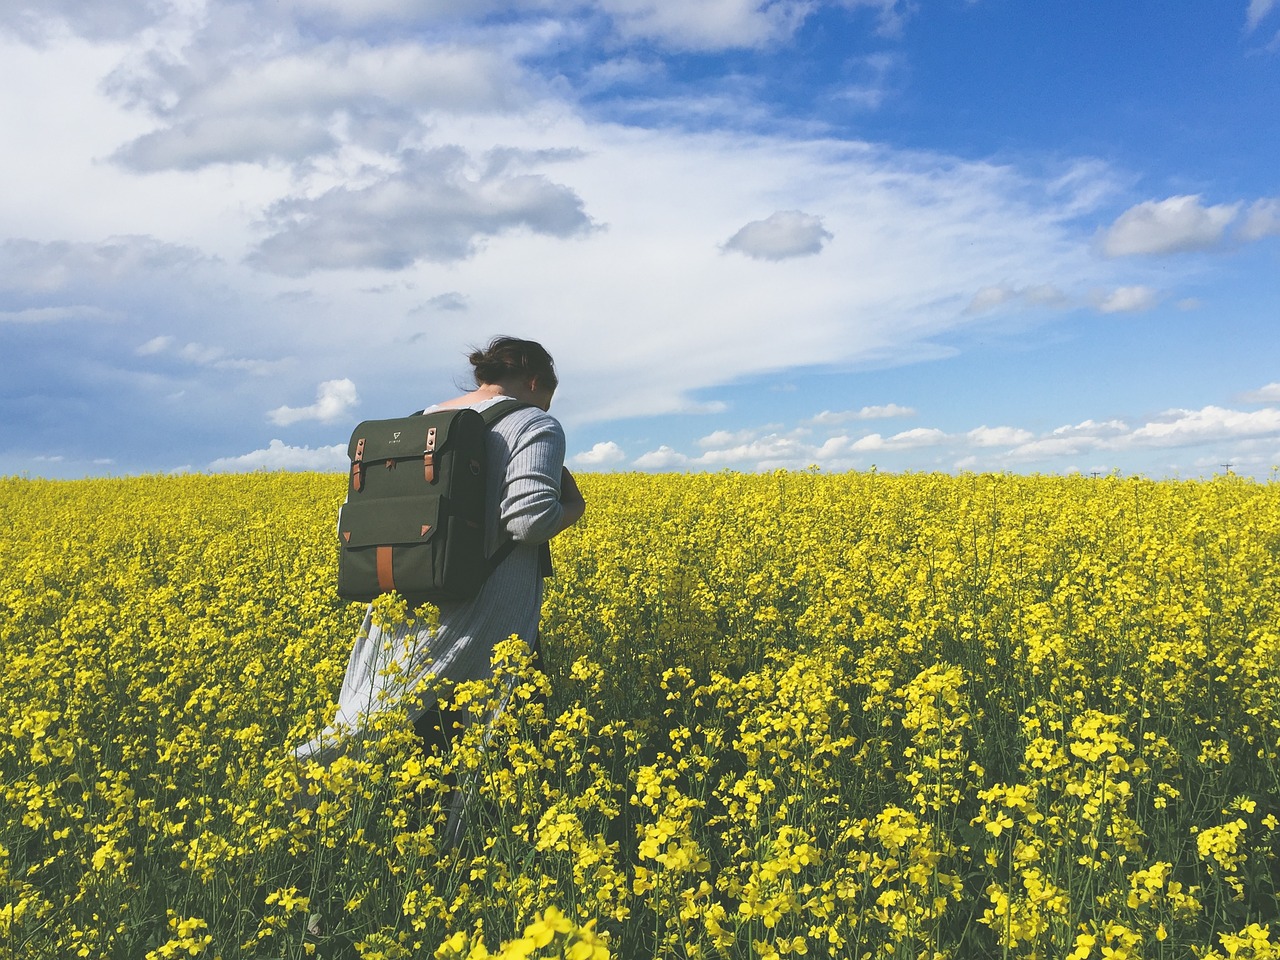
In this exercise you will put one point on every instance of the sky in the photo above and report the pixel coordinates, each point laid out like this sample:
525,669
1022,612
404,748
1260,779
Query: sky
942,235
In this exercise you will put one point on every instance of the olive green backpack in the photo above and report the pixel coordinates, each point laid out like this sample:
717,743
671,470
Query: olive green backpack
414,517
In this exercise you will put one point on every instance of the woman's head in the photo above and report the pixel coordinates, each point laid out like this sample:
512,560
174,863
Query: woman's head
511,362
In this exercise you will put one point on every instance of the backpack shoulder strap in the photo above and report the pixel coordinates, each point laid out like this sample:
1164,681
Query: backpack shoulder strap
491,414
495,412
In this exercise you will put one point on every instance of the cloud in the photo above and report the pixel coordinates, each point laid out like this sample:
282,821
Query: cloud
40,20
348,14
280,456
451,301
294,106
437,208
989,447
34,268
879,412
993,297
723,439
1261,220
875,88
205,355
605,454
1128,300
154,346
1258,10
194,144
1268,394
1174,428
907,440
708,24
989,298
664,458
998,436
1176,225
36,315
1071,440
334,398
787,233
1178,428
767,452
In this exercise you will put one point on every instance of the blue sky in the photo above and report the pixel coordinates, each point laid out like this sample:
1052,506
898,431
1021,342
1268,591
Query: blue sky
970,235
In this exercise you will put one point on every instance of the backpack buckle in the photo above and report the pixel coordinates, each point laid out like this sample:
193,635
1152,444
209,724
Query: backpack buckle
357,466
429,456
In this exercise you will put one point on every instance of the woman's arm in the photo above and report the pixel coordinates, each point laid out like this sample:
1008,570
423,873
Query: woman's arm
531,510
571,500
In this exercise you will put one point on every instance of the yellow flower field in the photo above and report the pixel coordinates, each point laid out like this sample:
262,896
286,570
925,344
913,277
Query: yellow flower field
858,715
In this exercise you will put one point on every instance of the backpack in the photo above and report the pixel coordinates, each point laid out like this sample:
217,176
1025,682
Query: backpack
414,517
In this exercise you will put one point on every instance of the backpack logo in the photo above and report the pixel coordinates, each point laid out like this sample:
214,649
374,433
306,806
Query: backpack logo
395,437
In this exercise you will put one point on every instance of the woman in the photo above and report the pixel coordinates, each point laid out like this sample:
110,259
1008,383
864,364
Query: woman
531,497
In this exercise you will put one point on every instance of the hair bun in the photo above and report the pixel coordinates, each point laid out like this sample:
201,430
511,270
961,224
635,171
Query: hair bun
508,357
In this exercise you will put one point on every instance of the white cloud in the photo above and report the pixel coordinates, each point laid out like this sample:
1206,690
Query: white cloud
875,87
1186,427
202,354
365,12
1071,440
876,412
1261,220
605,454
1128,300
299,104
1175,225
40,20
708,24
452,301
1258,10
724,439
1268,394
1175,428
194,144
43,269
438,207
907,440
987,447
212,357
985,436
664,458
155,345
763,453
334,399
1044,294
996,296
35,315
781,235
280,456
989,298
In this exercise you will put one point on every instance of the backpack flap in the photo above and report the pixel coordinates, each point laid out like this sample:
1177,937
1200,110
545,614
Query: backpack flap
421,436
403,520
395,544
407,436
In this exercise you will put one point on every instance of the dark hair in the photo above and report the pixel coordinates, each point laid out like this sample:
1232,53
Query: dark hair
506,357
